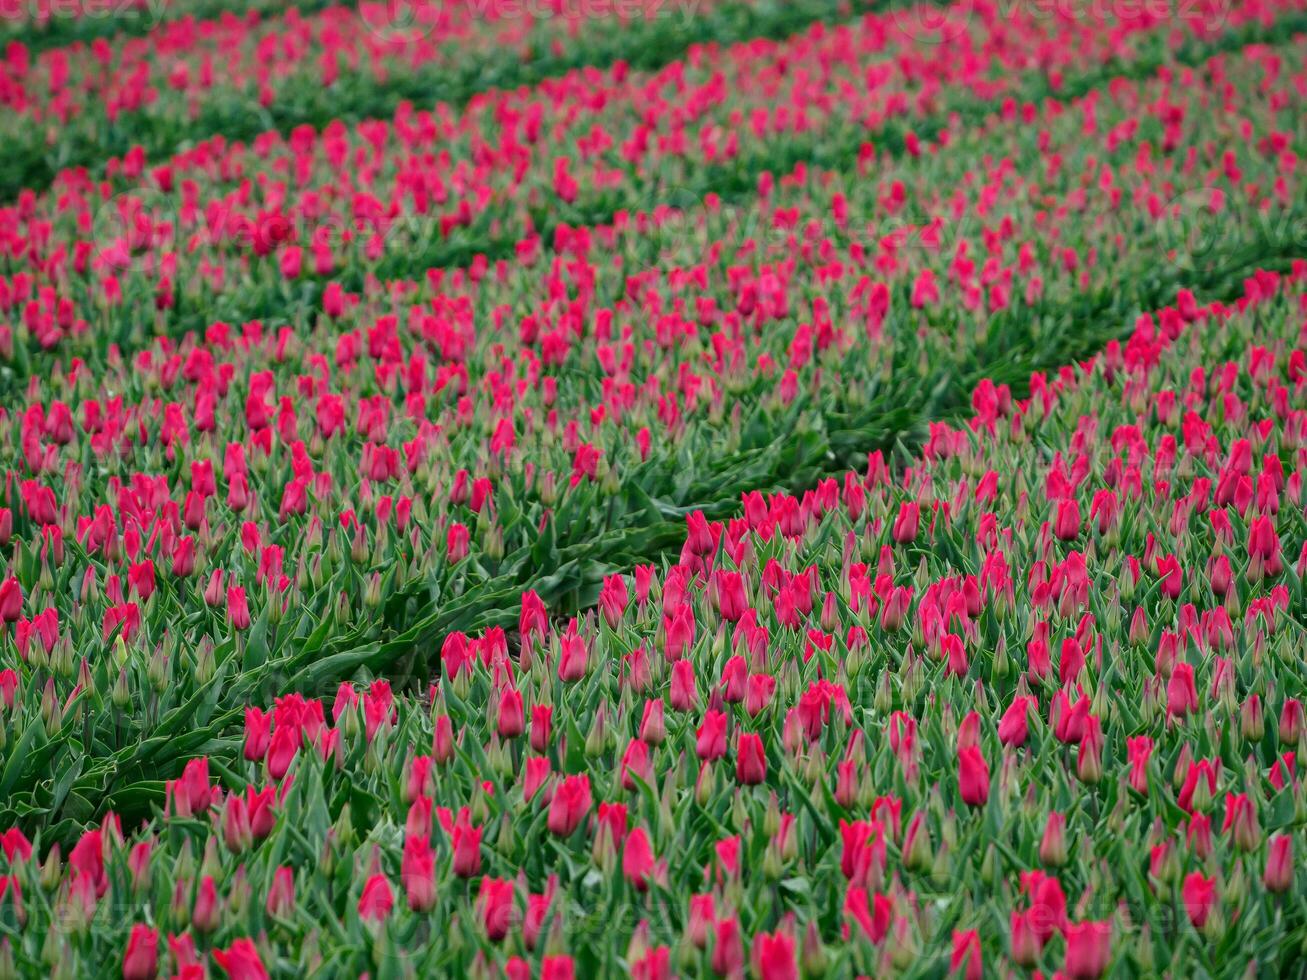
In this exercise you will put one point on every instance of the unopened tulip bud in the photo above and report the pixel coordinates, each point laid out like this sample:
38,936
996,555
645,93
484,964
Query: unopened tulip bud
51,714
814,960
989,865
372,592
121,694
1251,721
1214,927
204,917
705,787
917,851
883,700
51,870
1002,664
596,738
505,840
1235,890
1278,876
493,545
942,866
442,744
904,948
1241,822
1024,940
1291,722
609,484
653,725
1089,759
1053,847
236,824
157,671
1164,863
771,819
205,664
548,488
815,769
239,893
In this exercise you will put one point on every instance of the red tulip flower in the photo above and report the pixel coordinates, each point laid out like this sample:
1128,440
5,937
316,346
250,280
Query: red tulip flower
377,899
1088,950
973,777
241,961
570,805
1199,895
638,859
751,760
1278,876
141,960
907,523
966,960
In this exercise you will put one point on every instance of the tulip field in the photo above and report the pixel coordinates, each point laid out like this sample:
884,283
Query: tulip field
656,488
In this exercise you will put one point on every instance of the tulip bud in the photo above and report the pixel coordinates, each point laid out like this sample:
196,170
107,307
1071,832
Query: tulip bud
51,714
1053,848
1024,940
493,546
917,851
157,671
596,737
121,694
236,831
442,743
1002,664
1291,722
904,948
883,700
1214,927
705,787
1164,863
1278,876
51,870
1142,948
204,918
653,725
1241,822
989,865
205,664
1252,725
814,960
941,866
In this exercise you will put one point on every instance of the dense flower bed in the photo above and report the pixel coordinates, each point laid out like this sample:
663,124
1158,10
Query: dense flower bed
826,501
259,508
240,74
889,725
235,231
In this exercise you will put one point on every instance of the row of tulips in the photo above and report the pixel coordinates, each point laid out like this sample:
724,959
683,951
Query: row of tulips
41,25
1037,705
240,76
268,510
239,231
